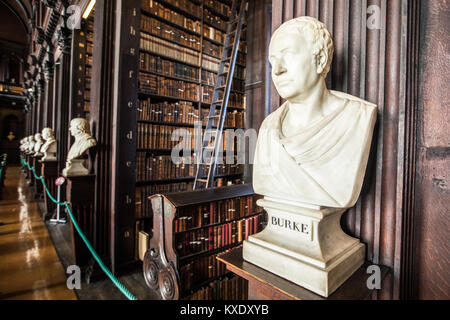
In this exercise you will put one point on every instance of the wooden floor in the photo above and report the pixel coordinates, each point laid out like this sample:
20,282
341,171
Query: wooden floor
29,265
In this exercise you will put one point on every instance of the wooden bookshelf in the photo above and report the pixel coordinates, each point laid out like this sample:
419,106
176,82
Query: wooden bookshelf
89,34
190,230
180,48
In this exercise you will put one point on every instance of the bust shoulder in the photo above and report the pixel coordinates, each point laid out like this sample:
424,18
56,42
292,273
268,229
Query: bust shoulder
271,121
356,102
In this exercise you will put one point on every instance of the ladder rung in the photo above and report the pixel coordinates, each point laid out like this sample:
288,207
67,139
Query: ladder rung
212,117
202,180
218,102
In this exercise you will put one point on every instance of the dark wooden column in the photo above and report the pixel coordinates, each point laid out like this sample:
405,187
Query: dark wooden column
34,109
55,111
64,38
101,119
77,73
41,102
124,132
258,79
49,70
429,210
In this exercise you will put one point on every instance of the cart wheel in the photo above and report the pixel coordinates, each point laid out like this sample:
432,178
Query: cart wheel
151,271
168,285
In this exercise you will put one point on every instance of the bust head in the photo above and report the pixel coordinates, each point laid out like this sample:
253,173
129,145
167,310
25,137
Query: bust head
38,138
300,52
47,134
79,127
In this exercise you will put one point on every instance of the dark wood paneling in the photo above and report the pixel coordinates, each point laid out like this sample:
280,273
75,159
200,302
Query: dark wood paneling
432,219
372,64
101,119
124,134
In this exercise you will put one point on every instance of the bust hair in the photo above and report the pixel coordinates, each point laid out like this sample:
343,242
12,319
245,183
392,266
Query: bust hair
321,36
82,124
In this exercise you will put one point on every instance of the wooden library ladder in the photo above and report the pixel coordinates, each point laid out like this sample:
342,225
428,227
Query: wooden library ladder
220,99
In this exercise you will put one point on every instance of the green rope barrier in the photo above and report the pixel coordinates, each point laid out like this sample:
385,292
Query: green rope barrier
105,269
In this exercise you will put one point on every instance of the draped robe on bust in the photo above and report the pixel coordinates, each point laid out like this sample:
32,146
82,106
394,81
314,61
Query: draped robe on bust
324,163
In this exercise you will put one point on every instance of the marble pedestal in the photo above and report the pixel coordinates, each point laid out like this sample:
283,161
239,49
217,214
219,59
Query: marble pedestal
305,246
77,168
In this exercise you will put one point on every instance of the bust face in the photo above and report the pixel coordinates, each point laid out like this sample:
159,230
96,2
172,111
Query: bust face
75,128
47,133
294,71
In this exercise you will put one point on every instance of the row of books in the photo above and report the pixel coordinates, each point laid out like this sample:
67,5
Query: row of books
168,49
144,205
179,112
153,168
219,7
216,237
87,106
236,100
213,64
163,30
149,168
141,225
159,137
89,48
89,60
148,62
210,78
186,55
212,33
200,270
213,20
88,72
162,86
160,10
215,212
216,51
185,5
234,288
233,119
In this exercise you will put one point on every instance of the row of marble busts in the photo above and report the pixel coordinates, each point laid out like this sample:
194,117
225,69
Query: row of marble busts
44,146
40,145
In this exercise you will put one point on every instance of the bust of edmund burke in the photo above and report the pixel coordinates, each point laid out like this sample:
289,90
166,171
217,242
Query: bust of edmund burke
313,150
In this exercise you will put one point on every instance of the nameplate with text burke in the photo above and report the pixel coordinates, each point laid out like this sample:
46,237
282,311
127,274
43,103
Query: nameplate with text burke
293,224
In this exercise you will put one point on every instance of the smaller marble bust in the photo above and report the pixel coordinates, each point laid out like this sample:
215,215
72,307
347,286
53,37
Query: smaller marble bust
22,144
38,145
80,130
30,145
49,147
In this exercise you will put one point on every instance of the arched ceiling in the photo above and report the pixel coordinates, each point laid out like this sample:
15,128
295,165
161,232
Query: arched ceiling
15,16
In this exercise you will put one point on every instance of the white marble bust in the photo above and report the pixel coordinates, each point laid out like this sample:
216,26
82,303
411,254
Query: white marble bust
310,161
314,148
22,144
48,149
38,145
30,145
80,130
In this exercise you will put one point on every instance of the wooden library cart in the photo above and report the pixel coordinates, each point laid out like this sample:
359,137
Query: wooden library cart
190,229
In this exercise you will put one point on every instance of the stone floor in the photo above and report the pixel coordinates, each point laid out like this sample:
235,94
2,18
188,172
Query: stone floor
34,255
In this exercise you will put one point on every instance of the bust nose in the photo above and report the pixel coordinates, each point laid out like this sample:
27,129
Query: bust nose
278,68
